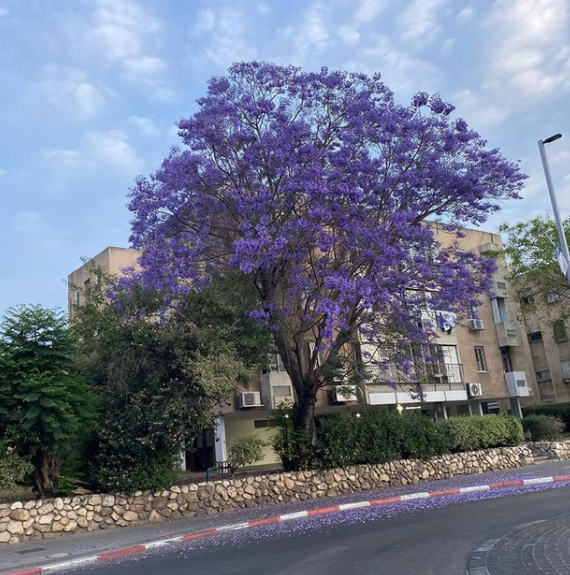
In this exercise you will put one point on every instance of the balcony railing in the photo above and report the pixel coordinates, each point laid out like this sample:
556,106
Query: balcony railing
430,373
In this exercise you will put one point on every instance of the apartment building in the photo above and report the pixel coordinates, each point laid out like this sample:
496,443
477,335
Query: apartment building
546,326
483,366
111,261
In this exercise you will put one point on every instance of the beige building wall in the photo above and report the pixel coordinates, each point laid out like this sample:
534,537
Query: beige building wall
549,350
238,428
112,260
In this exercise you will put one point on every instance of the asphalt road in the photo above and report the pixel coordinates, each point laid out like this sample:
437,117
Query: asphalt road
436,537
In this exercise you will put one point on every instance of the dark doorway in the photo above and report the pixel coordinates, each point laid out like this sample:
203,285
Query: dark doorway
202,456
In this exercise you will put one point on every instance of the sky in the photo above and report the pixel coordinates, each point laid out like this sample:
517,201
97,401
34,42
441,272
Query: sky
91,90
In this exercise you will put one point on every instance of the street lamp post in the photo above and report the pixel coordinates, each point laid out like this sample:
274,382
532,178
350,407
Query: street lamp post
554,201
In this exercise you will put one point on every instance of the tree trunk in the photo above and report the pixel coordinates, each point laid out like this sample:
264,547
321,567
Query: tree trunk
45,471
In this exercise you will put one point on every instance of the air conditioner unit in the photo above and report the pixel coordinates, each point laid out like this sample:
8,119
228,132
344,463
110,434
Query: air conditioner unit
345,393
250,399
474,389
476,324
517,384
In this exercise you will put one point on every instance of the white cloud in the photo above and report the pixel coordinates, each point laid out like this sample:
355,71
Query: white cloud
205,22
127,36
526,59
310,37
144,125
403,73
144,65
368,10
63,157
69,91
466,15
349,34
419,20
122,28
224,37
97,151
113,149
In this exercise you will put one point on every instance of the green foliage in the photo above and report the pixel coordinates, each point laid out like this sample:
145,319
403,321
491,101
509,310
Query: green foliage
380,436
245,451
13,467
376,437
288,439
422,438
534,270
45,405
559,410
542,427
159,369
469,433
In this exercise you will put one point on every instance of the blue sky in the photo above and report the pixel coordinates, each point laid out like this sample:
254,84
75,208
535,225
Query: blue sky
91,90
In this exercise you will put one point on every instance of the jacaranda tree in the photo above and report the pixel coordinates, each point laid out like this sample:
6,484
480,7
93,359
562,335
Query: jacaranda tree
318,185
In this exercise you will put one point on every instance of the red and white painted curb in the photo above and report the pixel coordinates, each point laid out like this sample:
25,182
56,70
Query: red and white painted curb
135,549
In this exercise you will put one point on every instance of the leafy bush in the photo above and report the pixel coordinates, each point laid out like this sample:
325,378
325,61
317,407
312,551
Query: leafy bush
468,433
422,437
559,410
13,467
376,437
245,451
542,427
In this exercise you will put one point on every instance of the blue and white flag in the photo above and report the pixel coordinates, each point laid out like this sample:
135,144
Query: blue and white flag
560,257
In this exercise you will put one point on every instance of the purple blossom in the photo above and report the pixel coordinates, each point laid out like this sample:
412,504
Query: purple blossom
319,186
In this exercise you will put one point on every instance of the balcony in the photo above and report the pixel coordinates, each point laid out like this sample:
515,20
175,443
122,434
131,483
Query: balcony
506,334
439,382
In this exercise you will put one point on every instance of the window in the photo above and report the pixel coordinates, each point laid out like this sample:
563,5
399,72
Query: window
506,359
526,300
499,309
565,365
481,359
260,423
77,297
281,390
490,407
543,375
535,336
559,330
276,363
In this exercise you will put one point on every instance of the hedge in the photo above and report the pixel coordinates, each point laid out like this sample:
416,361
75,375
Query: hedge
469,433
559,410
542,427
381,436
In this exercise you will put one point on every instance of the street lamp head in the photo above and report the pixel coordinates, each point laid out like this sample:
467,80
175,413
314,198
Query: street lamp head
552,138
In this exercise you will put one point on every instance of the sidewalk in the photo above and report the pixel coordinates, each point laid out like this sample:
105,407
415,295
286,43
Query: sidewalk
30,555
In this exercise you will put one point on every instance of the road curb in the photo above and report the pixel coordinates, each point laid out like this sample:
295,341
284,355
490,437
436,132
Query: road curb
136,549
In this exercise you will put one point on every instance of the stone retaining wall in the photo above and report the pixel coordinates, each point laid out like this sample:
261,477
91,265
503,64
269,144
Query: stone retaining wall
550,449
24,520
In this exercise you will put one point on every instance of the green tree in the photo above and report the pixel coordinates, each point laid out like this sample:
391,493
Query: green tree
44,405
533,267
159,370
